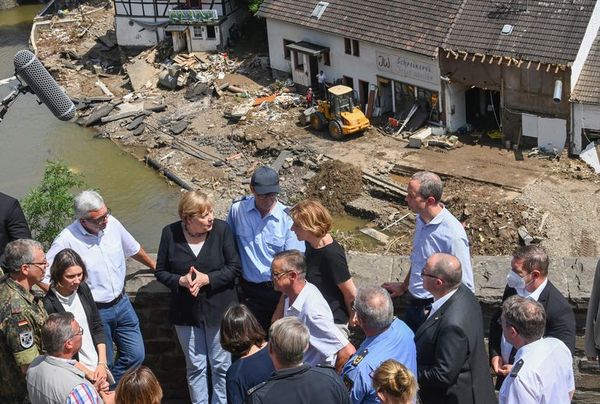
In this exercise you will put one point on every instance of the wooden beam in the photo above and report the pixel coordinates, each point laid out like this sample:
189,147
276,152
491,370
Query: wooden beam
466,54
499,60
556,70
509,62
548,68
483,59
538,66
528,65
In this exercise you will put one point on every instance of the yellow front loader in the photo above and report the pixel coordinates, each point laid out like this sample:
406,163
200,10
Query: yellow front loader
339,114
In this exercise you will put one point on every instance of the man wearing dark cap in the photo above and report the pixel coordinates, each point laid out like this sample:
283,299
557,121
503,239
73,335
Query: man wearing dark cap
262,228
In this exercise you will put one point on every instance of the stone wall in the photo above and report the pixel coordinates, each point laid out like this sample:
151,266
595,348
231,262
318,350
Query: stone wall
5,4
573,276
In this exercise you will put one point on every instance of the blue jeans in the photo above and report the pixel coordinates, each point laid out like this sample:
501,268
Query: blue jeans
122,326
198,345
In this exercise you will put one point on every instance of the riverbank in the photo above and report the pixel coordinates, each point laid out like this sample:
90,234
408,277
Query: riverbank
224,114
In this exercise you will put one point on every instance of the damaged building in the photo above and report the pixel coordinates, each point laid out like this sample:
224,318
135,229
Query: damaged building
376,47
193,25
504,67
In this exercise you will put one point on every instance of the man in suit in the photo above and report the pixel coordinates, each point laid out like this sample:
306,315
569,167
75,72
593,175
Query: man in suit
528,277
451,360
13,225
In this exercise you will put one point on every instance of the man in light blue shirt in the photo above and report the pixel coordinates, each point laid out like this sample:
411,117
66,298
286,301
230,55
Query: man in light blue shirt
262,228
436,231
387,338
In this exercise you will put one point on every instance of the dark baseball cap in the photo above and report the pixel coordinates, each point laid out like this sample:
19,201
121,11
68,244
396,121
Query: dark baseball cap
265,181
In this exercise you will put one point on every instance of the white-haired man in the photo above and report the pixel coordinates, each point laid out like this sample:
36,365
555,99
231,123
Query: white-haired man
103,243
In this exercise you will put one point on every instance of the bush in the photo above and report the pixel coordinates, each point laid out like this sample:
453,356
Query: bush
49,206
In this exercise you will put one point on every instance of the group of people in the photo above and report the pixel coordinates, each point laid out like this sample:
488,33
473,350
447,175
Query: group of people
261,304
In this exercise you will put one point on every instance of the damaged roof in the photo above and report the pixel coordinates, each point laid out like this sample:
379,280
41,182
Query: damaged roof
418,26
542,31
587,88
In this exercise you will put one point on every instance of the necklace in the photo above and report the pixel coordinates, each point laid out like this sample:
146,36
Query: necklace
195,235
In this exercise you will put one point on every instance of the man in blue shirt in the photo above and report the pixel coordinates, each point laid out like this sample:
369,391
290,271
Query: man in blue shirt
262,228
436,231
387,338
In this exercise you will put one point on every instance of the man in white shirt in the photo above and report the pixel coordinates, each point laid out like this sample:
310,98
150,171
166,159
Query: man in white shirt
328,345
54,378
103,244
543,368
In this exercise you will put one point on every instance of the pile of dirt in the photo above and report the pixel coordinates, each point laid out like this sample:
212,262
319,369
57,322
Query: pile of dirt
492,223
335,184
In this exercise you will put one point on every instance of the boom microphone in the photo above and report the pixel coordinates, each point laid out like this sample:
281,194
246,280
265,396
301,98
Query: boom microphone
31,70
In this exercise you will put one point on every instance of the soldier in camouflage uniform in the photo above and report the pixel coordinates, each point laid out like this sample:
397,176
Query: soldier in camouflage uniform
22,315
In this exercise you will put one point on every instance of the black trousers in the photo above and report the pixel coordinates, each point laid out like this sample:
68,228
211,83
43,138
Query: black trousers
261,299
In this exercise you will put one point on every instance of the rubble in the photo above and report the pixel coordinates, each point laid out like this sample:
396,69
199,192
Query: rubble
217,116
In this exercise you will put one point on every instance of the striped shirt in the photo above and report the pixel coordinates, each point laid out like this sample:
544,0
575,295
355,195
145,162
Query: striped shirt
83,394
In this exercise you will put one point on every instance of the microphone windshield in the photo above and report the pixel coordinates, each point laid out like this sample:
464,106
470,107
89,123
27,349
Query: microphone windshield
31,70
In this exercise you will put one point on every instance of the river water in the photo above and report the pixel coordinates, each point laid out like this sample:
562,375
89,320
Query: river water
30,135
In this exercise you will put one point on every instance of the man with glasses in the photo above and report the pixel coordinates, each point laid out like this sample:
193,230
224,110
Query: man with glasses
22,315
543,369
328,345
386,338
103,243
262,228
54,378
528,277
451,359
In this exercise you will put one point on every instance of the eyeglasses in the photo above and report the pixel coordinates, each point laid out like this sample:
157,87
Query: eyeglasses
431,276
43,264
99,220
278,275
80,332
266,196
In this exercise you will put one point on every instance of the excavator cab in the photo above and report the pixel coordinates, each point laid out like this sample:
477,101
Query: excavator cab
339,114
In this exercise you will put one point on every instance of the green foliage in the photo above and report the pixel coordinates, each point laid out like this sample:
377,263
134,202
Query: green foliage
254,5
49,206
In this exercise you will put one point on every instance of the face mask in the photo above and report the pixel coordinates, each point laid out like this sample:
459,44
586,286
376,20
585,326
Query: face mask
513,280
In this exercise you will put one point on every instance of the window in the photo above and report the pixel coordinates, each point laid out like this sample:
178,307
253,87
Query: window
351,47
355,50
298,61
211,33
197,32
319,9
286,51
326,59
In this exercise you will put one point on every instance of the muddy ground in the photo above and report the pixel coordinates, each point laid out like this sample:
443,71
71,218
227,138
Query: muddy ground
213,139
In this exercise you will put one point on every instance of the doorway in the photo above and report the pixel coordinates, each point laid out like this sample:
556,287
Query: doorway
363,93
482,109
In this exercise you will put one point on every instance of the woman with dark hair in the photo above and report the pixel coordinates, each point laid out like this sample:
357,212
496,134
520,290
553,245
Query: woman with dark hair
244,338
69,292
198,261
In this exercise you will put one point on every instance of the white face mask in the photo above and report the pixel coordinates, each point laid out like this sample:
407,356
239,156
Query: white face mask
513,280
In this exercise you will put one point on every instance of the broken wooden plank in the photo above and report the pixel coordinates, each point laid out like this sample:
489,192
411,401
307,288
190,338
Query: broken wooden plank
97,114
104,88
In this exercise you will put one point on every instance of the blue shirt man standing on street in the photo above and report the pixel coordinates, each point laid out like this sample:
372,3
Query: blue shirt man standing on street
387,338
262,228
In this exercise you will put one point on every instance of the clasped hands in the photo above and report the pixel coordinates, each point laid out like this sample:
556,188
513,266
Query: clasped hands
194,280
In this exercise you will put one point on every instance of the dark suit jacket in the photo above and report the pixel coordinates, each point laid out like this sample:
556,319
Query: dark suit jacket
451,360
53,305
218,258
13,225
560,319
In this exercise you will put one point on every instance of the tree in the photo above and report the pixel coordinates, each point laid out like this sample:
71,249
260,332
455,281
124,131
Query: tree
254,5
49,206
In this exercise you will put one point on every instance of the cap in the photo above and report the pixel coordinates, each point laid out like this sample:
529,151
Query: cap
265,181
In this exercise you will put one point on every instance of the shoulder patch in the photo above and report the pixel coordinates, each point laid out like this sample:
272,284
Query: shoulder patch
360,356
253,389
240,198
26,339
15,307
516,367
